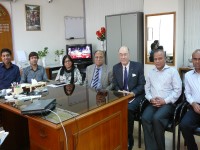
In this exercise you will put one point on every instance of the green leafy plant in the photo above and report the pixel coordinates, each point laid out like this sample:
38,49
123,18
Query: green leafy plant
59,53
43,52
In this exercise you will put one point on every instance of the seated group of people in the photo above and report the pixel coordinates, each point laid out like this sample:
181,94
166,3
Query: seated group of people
162,88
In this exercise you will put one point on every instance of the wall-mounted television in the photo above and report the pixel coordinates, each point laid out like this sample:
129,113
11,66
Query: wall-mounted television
80,52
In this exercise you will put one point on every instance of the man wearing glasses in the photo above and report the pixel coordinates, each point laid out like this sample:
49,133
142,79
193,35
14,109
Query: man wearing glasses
98,75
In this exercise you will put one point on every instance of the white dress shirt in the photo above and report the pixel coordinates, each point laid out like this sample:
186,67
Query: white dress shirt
165,84
192,86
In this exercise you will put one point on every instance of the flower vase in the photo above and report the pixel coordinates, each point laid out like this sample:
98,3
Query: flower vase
60,59
102,46
43,61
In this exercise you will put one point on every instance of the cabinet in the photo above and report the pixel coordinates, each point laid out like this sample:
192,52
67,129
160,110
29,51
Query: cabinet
124,29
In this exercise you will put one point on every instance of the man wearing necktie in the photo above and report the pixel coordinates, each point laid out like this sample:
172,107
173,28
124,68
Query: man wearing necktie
128,76
98,75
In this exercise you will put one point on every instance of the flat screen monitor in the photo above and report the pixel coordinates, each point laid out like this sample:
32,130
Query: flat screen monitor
80,52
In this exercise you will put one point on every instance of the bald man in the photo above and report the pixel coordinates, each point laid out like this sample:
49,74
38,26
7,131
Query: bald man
191,120
128,76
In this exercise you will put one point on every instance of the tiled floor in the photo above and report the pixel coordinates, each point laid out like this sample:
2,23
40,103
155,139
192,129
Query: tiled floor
168,140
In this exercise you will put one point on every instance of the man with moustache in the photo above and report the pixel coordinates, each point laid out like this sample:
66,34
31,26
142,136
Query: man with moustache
163,88
98,75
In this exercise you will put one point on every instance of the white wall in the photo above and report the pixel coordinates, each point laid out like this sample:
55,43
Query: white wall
161,6
52,34
96,11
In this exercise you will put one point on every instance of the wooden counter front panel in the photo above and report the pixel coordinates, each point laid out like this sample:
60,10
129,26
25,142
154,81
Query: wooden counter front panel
101,129
43,137
105,134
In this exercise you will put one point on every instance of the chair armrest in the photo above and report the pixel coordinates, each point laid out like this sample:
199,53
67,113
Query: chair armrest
176,118
183,110
143,104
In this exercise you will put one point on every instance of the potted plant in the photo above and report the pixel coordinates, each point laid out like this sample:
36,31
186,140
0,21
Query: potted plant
42,54
59,54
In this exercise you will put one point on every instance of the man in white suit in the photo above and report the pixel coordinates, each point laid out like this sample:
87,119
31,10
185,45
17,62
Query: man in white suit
98,76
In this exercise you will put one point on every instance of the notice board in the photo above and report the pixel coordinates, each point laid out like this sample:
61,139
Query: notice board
74,27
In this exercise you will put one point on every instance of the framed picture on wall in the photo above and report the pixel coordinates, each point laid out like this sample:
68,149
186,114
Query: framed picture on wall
32,17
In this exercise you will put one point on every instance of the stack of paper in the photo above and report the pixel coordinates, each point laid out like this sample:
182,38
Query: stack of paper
3,135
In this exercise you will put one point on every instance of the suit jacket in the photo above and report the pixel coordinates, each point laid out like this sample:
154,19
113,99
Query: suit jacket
136,80
106,76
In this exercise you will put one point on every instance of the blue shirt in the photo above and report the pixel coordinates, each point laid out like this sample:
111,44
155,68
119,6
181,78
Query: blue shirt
28,73
8,75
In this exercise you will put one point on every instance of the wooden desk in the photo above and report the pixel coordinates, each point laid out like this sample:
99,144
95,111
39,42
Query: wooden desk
97,127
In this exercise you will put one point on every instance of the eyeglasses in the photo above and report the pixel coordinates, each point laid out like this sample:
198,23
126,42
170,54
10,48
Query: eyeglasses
100,57
67,61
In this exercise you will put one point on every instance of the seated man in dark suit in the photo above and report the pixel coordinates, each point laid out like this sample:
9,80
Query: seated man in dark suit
128,76
98,75
9,72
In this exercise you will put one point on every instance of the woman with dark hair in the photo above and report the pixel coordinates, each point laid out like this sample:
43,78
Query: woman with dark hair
68,73
69,89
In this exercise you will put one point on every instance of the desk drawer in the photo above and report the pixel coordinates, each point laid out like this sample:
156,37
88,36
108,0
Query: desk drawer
43,137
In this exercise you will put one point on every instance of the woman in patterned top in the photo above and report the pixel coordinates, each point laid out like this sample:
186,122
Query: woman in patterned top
68,73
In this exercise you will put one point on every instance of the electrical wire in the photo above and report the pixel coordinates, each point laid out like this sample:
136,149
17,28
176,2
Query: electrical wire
62,127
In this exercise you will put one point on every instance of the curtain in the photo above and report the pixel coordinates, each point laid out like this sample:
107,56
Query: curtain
192,28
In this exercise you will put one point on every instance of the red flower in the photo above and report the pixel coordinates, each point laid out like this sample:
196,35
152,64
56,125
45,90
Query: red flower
101,34
103,30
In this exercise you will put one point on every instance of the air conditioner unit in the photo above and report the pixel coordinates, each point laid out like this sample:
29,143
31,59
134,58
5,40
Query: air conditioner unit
8,0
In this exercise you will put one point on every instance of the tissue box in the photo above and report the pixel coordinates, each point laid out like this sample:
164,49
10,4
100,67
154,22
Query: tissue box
18,90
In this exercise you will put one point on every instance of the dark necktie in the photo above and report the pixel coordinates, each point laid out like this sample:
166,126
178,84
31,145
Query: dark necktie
125,80
96,79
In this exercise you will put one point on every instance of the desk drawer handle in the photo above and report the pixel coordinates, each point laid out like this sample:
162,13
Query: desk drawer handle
42,133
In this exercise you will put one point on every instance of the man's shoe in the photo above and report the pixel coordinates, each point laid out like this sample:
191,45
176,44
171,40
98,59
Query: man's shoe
130,147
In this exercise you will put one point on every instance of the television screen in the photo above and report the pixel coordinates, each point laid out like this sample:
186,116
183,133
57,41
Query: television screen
80,51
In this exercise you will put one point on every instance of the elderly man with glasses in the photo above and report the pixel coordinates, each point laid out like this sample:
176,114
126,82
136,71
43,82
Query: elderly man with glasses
98,75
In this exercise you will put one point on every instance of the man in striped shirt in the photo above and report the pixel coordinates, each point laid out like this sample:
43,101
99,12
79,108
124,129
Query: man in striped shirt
191,120
163,88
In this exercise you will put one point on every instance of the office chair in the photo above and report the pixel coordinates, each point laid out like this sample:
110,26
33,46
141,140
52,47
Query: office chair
138,116
173,121
184,109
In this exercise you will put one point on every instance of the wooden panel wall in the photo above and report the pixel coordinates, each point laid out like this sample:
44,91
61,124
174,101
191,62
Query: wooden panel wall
5,30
